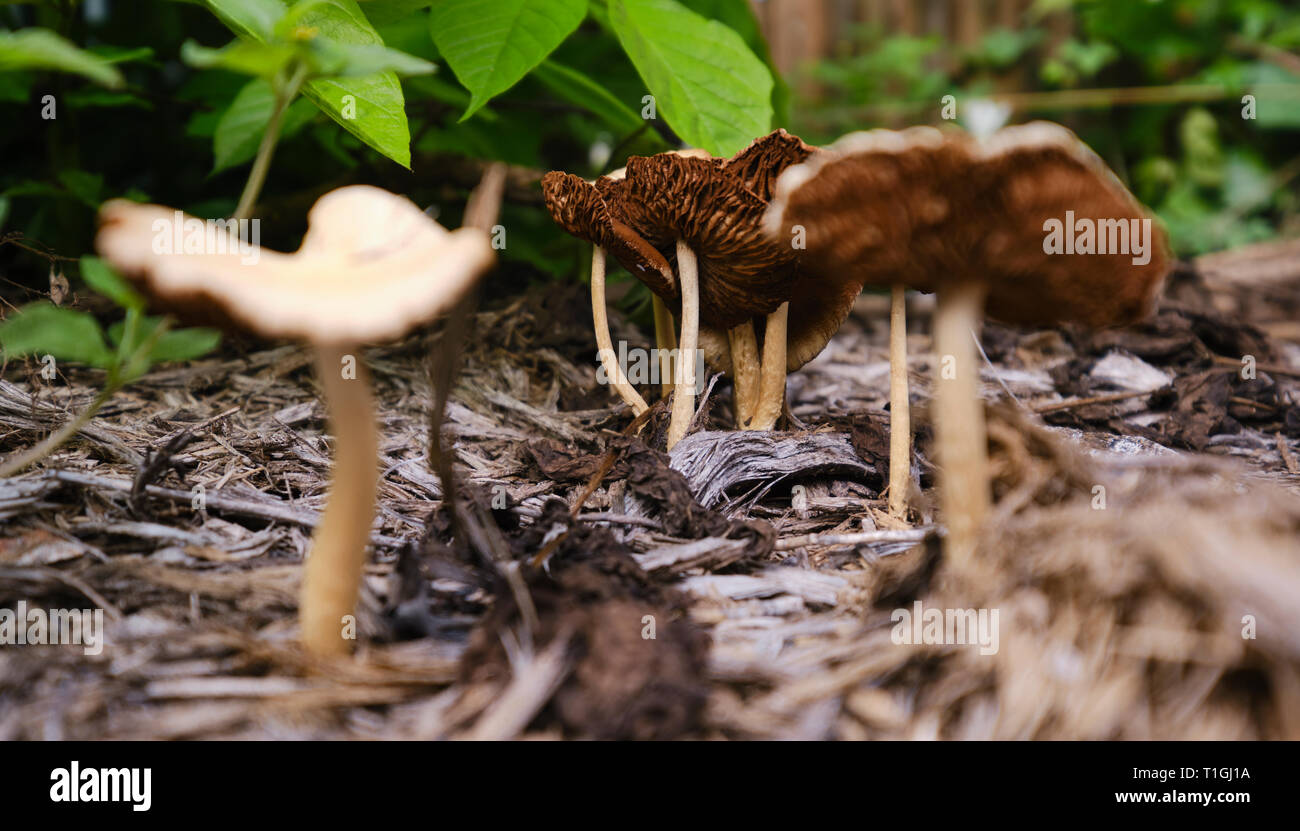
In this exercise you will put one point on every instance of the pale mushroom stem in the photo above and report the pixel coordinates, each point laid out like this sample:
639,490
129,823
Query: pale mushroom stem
338,550
745,371
605,345
900,417
961,440
684,397
665,342
771,394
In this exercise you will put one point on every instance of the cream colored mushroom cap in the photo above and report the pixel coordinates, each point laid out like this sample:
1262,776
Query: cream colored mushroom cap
371,267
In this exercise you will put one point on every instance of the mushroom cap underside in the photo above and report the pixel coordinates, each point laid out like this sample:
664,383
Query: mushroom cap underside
371,267
924,207
716,206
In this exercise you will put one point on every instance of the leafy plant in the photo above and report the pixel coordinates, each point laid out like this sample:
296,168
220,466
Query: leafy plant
125,352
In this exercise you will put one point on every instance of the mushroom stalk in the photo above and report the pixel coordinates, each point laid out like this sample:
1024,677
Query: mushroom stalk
605,345
900,417
338,551
771,395
960,438
665,342
684,398
745,371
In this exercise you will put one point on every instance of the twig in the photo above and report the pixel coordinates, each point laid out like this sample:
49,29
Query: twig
52,442
269,509
1096,399
858,538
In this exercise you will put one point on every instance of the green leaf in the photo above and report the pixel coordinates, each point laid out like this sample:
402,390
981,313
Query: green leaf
87,187
101,277
43,49
577,88
239,131
376,111
371,107
173,345
490,46
44,329
261,60
345,60
739,15
711,89
254,19
185,345
381,12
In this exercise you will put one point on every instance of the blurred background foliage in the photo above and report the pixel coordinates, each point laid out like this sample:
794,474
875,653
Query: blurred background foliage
1156,86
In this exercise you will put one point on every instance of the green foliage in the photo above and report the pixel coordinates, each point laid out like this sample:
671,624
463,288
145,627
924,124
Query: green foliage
491,47
331,45
43,49
240,129
45,329
137,342
709,85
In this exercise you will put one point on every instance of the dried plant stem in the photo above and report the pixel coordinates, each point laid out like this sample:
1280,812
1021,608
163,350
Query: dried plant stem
900,416
266,149
960,437
666,342
54,440
684,397
771,394
600,318
338,550
745,369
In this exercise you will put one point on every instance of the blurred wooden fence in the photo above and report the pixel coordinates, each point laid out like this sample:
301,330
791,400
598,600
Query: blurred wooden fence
801,31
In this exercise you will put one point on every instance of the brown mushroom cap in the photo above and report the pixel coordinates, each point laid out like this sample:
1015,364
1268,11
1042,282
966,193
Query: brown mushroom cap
371,267
742,273
923,207
578,207
716,206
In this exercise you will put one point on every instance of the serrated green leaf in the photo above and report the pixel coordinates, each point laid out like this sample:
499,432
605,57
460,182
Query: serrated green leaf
43,49
376,113
711,89
101,277
44,329
739,15
239,130
577,88
371,107
490,46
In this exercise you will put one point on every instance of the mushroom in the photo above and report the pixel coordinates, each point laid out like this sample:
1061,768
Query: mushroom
371,267
703,214
975,222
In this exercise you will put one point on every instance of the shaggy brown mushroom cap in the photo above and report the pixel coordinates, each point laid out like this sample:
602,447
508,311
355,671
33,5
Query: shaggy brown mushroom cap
923,207
371,267
579,208
716,206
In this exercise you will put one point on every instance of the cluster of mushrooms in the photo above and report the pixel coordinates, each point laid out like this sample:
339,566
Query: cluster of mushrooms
760,257
372,266
778,241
